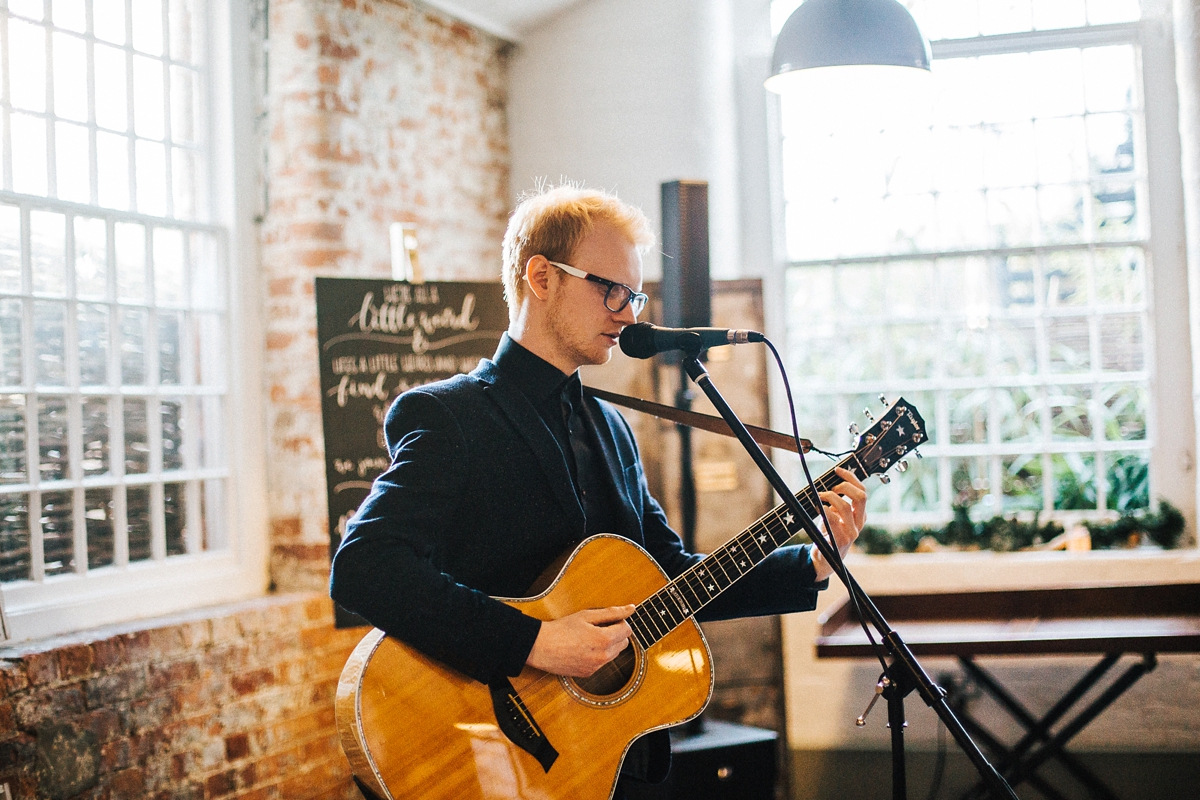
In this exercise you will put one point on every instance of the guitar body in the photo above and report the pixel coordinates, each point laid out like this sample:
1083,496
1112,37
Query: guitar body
412,728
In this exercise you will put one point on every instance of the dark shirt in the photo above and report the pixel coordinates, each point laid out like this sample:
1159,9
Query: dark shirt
559,402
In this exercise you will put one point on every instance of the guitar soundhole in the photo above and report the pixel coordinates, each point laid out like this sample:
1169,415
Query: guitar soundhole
614,679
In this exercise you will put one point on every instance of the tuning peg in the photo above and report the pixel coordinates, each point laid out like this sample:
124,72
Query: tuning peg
883,400
902,466
884,479
867,413
853,429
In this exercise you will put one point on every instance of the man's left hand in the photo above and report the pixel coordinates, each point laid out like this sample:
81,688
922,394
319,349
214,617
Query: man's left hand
846,510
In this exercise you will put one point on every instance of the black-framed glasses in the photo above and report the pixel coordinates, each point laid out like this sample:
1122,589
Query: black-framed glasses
618,295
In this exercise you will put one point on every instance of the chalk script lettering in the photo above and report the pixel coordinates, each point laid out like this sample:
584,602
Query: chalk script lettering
397,318
372,464
347,388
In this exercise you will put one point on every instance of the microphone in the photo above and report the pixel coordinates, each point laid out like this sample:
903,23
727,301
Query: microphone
644,340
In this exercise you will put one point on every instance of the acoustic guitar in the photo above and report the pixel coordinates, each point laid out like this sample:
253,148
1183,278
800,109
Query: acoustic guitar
413,728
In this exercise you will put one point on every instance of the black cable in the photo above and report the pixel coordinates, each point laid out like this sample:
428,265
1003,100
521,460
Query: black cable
837,564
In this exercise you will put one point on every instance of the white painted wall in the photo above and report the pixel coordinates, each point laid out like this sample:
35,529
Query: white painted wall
624,95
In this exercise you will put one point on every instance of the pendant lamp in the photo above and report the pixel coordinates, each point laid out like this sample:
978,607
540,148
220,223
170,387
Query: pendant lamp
839,33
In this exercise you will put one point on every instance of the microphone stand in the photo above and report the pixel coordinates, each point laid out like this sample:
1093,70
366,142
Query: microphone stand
904,673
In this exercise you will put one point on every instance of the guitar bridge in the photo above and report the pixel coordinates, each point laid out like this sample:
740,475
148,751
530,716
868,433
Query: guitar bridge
517,723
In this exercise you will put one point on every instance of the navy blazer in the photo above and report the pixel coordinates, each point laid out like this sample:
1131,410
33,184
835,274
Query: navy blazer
478,502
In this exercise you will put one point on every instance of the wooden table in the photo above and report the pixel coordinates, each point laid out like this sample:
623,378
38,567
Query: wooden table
1109,621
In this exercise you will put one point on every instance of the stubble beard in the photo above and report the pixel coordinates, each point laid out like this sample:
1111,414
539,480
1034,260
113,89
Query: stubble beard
583,352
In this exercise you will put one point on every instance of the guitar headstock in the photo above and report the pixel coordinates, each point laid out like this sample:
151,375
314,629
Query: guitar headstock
899,431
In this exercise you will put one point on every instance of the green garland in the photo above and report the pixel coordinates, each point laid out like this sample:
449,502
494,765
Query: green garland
1002,534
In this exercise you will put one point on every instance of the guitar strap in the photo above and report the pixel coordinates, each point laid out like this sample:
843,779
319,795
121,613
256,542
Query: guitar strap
517,723
694,419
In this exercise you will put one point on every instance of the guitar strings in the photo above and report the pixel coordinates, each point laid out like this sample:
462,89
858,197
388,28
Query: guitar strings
772,523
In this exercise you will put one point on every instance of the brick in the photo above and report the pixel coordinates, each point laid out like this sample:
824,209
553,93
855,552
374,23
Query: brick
74,661
237,746
106,690
48,705
40,668
221,784
104,723
116,756
128,784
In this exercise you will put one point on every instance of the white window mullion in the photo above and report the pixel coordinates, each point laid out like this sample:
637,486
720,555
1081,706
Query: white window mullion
131,102
90,49
51,160
5,106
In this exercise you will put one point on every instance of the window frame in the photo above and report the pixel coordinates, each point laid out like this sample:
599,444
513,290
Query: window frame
1168,344
68,602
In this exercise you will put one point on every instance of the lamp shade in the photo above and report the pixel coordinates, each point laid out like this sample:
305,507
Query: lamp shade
831,33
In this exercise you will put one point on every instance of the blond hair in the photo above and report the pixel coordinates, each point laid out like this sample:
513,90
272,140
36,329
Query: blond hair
552,221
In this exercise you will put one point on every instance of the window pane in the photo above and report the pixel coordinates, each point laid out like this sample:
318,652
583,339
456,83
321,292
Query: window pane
208,286
93,344
168,266
210,342
58,538
1074,480
10,249
15,557
112,170
1070,418
1120,276
49,320
1022,483
1018,412
11,373
169,329
111,109
148,26
137,437
918,486
175,517
29,139
172,433
1121,343
72,170
137,512
151,178
184,97
70,77
70,14
27,58
1066,278
1125,407
969,416
133,346
1101,12
1068,341
100,520
1128,481
108,20
148,111
12,439
96,430
52,439
1109,74
969,482
91,258
131,261
47,252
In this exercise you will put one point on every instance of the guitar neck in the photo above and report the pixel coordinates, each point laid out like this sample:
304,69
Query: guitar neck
667,608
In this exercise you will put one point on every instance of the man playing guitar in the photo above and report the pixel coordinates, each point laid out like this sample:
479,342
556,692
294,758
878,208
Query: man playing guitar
495,474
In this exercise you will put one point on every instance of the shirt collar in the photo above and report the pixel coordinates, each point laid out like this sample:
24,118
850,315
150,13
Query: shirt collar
537,378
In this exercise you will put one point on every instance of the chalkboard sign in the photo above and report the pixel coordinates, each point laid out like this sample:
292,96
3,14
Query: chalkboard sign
377,339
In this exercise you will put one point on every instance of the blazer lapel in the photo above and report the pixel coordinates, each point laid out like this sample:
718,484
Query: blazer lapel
529,425
614,467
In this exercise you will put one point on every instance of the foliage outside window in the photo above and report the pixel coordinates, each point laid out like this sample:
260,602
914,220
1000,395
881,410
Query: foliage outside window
989,264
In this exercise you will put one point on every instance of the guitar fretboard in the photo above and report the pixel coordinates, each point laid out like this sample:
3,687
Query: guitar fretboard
667,608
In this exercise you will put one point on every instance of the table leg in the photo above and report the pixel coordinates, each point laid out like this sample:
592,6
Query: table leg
1039,730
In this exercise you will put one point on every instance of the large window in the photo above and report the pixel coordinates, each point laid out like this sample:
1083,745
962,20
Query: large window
991,264
113,301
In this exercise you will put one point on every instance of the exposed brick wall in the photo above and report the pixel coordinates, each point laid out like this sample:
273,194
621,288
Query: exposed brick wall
378,112
228,702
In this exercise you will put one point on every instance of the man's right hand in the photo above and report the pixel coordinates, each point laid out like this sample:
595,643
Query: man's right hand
581,643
